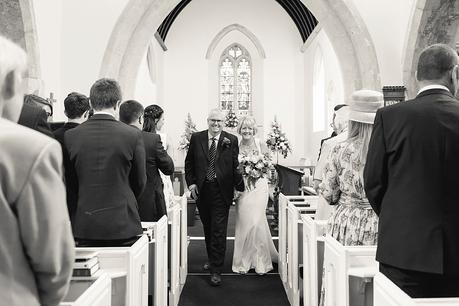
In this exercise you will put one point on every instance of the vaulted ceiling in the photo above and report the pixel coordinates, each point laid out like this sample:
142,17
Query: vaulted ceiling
301,16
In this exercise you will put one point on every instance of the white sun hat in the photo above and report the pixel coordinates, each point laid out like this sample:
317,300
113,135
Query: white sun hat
364,104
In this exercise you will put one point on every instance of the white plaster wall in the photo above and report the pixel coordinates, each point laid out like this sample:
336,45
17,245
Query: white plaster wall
189,86
387,22
334,93
48,17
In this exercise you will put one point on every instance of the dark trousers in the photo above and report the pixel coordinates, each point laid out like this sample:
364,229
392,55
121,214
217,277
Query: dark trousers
81,243
213,212
421,284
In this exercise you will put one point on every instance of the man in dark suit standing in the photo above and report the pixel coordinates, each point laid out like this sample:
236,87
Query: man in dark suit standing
33,116
76,108
151,204
108,158
211,174
411,179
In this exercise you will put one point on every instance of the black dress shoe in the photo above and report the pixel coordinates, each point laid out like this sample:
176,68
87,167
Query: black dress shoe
215,279
206,266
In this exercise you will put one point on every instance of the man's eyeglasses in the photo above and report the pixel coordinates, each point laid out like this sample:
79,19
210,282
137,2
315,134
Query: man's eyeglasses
215,120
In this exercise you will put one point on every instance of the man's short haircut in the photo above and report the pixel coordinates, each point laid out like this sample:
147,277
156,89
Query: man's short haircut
75,105
32,99
104,93
435,61
130,111
338,106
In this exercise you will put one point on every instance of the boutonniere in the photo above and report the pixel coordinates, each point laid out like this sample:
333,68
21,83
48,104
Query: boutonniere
226,142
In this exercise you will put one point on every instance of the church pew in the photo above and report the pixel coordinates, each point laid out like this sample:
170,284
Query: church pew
95,291
183,239
282,262
157,283
173,214
128,270
386,293
341,263
297,206
313,252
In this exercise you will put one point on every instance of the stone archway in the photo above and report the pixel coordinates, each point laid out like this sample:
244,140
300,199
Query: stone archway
18,24
339,18
432,21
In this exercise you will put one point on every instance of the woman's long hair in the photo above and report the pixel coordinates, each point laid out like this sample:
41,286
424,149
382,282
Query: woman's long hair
359,131
151,115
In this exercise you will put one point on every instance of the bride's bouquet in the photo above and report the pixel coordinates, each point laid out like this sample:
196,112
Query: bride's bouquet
254,166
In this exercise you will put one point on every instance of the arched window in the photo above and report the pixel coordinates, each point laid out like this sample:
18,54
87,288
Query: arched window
235,73
319,110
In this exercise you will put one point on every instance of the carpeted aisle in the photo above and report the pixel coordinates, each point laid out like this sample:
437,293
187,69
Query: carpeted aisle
238,290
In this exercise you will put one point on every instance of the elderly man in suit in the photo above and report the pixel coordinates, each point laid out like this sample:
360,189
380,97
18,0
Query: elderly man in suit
151,204
37,248
411,180
212,175
108,159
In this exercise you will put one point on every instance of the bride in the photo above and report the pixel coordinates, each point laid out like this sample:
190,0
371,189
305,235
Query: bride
253,244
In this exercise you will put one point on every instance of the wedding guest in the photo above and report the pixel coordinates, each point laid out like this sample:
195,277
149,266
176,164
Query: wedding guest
336,126
340,124
37,248
411,181
108,159
33,116
76,108
151,204
153,123
352,222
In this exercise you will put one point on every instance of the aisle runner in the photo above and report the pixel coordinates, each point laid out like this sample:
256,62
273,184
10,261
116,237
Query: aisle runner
236,290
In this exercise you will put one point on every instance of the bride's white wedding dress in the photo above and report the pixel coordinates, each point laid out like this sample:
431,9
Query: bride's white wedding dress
168,189
253,244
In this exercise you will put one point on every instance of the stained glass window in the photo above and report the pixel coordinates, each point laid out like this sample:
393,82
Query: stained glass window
236,81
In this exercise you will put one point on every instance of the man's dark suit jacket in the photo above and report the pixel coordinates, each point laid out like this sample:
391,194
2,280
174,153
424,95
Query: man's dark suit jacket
411,180
197,162
70,178
152,205
35,117
108,158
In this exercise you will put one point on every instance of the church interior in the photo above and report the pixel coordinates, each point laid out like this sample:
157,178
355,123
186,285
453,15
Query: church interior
287,64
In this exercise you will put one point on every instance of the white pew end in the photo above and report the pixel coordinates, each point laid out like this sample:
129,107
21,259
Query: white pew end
341,262
313,253
282,262
95,291
297,206
157,283
173,214
386,293
183,202
128,269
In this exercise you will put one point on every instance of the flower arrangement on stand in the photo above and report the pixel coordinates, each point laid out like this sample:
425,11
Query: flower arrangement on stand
254,166
190,128
277,141
231,120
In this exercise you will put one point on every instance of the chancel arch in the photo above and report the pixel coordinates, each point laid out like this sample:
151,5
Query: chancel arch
431,22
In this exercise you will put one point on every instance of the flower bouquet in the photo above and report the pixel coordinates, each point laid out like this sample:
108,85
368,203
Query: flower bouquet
254,166
190,128
231,120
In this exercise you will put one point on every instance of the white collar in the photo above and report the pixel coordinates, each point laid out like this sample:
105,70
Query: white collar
433,86
103,113
209,136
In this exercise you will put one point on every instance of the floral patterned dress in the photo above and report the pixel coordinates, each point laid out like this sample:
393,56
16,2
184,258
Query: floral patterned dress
353,221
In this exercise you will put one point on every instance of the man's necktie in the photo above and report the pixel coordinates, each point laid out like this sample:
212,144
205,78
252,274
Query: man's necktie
212,156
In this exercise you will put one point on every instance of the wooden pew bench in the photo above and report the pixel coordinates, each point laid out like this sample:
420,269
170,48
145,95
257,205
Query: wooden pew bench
386,293
128,269
296,207
157,263
313,256
95,291
341,263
